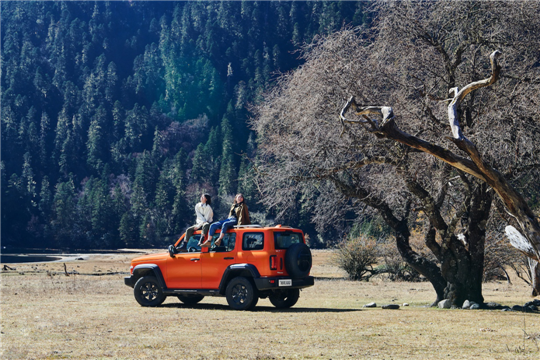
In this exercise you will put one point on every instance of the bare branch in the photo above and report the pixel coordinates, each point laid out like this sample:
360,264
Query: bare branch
389,130
453,116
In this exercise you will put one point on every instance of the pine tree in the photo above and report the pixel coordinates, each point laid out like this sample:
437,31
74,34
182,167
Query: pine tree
29,182
146,175
246,183
102,215
158,146
128,230
200,169
179,207
43,139
227,173
45,196
147,231
212,148
165,193
136,126
95,145
110,82
64,204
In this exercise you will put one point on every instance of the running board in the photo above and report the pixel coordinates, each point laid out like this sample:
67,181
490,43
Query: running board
204,292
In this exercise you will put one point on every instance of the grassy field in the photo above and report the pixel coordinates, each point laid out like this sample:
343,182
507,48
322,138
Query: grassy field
93,315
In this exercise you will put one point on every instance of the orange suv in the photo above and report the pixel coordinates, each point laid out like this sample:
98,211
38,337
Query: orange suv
251,262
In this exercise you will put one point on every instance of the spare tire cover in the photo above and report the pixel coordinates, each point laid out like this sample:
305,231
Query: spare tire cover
298,260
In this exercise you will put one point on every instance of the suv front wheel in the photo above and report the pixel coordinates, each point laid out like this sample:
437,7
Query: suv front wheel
285,298
241,294
148,292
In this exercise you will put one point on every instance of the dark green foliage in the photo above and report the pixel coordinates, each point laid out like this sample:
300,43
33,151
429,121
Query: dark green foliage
227,171
111,111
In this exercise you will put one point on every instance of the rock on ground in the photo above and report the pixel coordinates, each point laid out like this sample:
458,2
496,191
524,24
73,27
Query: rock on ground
445,304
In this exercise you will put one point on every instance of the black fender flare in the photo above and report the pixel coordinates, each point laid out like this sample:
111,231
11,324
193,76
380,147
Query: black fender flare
149,269
234,270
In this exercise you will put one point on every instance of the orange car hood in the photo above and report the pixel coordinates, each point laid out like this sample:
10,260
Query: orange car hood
150,258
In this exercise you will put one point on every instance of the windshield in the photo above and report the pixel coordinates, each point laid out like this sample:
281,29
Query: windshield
284,240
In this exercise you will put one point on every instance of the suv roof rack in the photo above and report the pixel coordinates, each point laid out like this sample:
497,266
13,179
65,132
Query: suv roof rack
247,226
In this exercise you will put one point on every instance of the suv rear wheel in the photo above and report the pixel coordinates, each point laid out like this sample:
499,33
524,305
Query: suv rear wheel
148,292
190,299
285,298
241,294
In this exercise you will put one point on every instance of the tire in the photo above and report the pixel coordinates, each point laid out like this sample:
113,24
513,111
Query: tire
241,294
298,260
148,292
284,299
190,299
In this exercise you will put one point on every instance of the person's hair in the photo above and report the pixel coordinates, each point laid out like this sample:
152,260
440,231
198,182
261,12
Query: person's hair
208,199
237,196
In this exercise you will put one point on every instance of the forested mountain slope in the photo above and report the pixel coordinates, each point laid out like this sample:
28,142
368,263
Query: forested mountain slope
116,115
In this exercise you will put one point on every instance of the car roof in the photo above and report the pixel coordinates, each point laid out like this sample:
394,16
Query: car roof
258,228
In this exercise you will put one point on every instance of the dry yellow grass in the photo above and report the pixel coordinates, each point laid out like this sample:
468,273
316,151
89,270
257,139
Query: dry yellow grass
46,316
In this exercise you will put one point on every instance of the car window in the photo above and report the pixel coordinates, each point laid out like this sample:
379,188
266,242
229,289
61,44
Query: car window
253,241
284,240
227,244
192,245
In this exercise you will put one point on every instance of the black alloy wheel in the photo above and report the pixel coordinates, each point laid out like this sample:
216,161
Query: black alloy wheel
241,294
148,292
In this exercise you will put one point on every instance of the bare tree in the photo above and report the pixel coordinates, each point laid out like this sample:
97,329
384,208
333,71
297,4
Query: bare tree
412,57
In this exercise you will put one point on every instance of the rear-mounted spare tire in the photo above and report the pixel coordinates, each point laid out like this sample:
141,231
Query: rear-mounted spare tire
298,260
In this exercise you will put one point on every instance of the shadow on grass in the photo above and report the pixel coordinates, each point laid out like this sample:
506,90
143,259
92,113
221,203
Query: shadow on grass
326,278
259,308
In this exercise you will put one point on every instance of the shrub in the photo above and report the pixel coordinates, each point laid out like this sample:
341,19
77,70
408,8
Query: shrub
357,257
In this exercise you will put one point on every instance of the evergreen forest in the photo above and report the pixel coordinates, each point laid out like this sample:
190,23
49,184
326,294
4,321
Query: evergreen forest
115,116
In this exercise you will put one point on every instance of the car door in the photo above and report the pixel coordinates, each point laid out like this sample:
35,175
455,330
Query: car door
215,262
252,249
184,270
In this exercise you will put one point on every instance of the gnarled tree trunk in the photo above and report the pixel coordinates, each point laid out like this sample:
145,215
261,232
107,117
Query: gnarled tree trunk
475,165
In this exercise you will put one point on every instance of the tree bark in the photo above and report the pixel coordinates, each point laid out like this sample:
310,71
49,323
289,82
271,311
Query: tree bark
462,267
535,277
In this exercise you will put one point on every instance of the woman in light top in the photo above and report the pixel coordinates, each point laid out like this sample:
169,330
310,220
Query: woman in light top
205,216
238,215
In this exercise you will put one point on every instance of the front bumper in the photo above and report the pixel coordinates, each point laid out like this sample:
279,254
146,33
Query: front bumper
272,283
129,281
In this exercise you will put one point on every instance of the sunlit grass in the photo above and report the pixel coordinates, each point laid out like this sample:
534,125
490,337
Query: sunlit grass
96,317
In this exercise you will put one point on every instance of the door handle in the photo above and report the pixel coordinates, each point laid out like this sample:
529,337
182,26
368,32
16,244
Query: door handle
228,258
195,259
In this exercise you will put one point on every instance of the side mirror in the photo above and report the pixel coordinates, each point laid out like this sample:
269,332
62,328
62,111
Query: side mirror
205,249
171,250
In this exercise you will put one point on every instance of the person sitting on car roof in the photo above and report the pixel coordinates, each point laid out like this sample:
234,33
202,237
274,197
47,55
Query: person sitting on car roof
205,215
238,215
